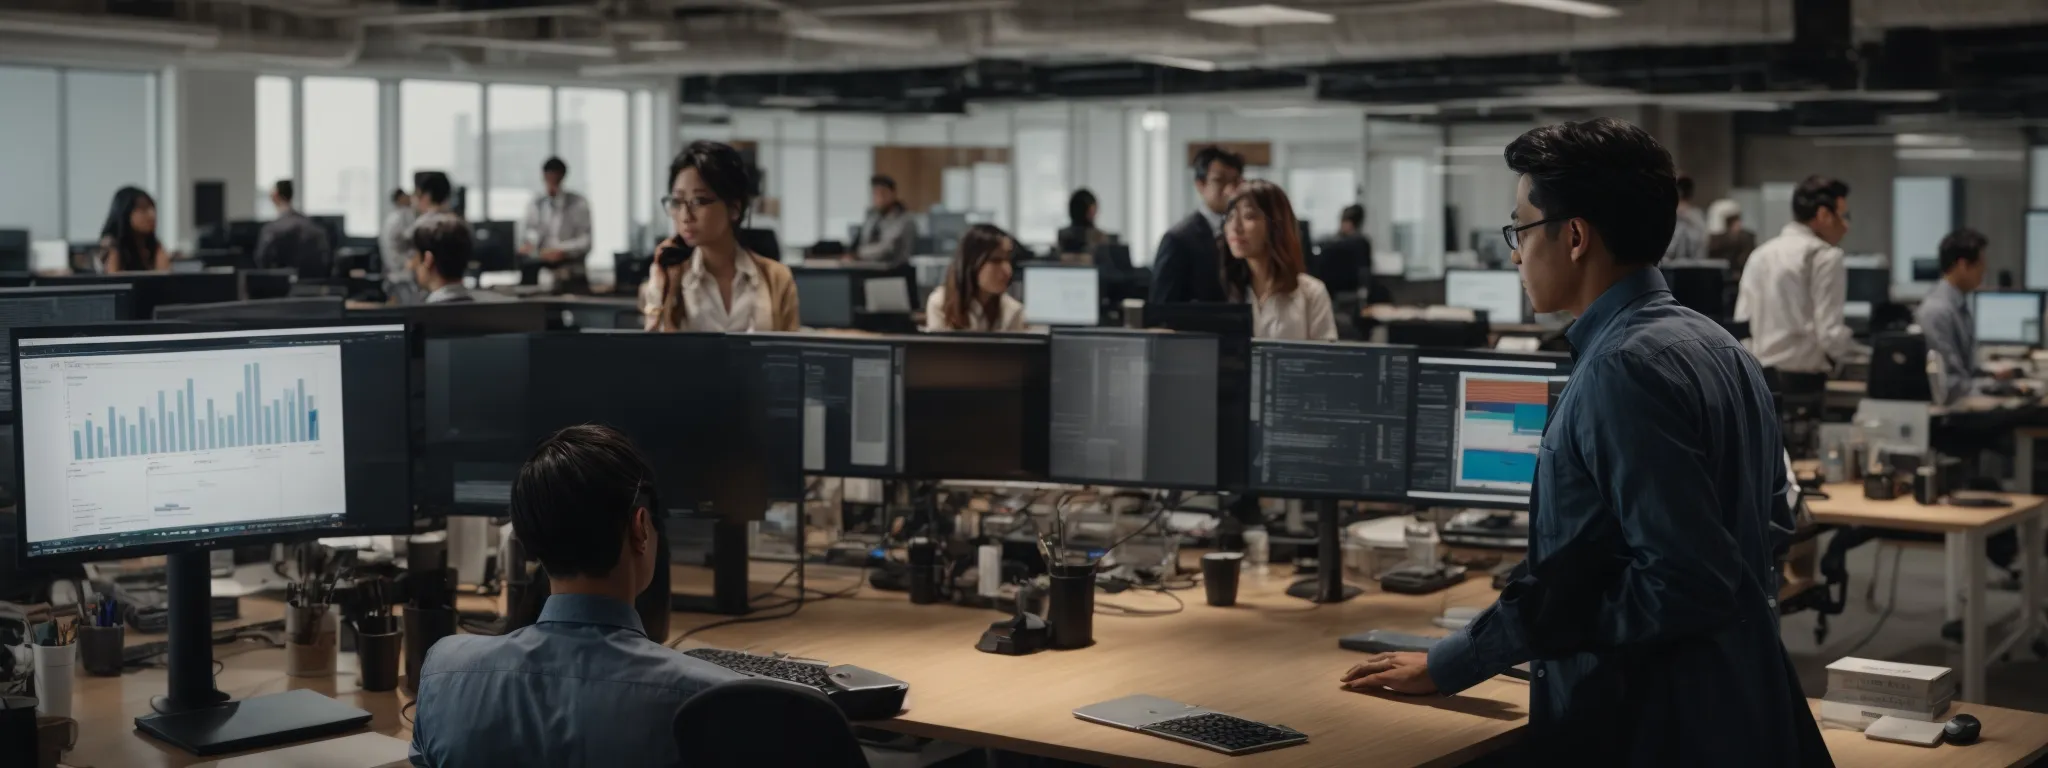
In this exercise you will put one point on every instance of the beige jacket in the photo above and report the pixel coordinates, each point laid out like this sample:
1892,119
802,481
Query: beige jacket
666,313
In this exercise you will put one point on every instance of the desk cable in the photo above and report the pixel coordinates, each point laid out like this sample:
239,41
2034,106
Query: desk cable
1891,601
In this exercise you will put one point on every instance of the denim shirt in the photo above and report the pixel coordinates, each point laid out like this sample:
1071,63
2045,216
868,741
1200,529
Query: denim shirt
1951,333
582,686
1647,602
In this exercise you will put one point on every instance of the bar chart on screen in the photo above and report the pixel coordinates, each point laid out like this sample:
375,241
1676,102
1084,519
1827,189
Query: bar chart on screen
1500,429
185,419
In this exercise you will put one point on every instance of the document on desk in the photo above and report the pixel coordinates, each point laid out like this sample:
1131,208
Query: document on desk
363,750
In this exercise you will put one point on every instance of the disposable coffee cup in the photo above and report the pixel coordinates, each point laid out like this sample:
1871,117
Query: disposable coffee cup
1219,577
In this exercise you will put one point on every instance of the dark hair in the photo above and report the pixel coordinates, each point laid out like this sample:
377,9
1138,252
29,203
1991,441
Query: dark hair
284,189
133,251
398,193
1685,187
448,238
980,243
555,165
1283,241
723,169
1608,172
879,180
1353,214
433,184
576,495
1961,245
1214,154
1077,208
1815,193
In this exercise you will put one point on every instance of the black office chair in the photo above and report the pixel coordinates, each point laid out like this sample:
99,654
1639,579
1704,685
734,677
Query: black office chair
756,722
1802,399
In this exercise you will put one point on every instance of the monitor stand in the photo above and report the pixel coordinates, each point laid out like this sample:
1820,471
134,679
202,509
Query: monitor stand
198,718
1328,584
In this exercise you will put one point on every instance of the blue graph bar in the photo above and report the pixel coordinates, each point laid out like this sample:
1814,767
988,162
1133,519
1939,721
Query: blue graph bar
178,426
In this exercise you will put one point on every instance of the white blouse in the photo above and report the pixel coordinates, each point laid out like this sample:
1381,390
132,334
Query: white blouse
935,315
1300,315
707,312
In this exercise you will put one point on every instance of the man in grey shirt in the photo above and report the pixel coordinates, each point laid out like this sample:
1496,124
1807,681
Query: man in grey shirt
889,235
1689,234
1945,317
292,240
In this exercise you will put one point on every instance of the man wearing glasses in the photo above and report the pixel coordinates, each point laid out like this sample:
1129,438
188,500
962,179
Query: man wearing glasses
1646,607
1793,288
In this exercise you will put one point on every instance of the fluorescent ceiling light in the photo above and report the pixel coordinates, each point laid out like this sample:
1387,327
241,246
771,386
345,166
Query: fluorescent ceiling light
1573,7
1961,153
657,46
1198,65
1262,15
788,102
128,31
876,37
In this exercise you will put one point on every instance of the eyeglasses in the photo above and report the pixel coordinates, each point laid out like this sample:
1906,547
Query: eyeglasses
673,204
1513,234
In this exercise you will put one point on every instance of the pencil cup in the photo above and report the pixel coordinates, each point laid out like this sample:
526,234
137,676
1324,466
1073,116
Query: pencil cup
1072,609
312,638
378,654
53,671
99,650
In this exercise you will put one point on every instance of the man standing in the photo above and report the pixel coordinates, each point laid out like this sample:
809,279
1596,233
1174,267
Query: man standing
292,240
1185,268
1689,233
1647,602
1794,286
394,240
557,228
889,234
1944,316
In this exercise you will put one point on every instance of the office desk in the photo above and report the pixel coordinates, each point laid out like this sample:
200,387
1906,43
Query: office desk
2010,738
1964,530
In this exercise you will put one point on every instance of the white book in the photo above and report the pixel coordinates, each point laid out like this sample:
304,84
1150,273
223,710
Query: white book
1887,700
1860,717
1890,677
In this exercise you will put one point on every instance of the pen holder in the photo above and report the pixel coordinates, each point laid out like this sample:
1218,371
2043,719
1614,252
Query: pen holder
312,638
53,671
423,628
1071,606
54,737
379,649
99,650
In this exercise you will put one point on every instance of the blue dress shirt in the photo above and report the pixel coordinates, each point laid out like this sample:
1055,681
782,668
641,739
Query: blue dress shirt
1647,602
582,686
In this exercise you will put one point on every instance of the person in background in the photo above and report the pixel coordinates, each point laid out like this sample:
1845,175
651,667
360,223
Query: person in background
1689,233
1185,267
1945,318
556,229
976,295
292,240
888,236
1351,249
394,241
128,240
1263,266
1793,286
1351,226
441,248
1080,235
713,285
1647,604
583,685
1727,239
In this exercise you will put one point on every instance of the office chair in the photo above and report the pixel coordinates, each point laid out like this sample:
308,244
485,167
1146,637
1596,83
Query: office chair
746,723
1801,399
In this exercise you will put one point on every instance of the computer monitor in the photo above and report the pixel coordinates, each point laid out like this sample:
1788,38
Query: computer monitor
1330,419
198,449
1148,410
1926,270
975,406
1498,291
852,404
1702,289
150,290
946,230
2007,317
1114,258
1214,318
1477,425
259,310
1062,295
478,424
494,246
14,250
1870,284
762,242
826,297
243,234
70,305
1898,368
1452,334
477,318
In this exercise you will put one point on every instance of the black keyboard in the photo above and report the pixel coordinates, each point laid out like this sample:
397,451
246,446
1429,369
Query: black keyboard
862,694
1226,734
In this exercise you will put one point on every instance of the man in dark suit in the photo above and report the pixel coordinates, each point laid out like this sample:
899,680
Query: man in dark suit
1185,268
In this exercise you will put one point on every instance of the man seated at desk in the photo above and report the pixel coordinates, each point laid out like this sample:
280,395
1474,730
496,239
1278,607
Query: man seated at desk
1944,316
583,685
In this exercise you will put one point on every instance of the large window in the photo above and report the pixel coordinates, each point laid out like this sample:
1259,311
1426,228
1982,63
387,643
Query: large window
274,139
591,139
1041,162
340,125
31,124
650,174
521,129
440,128
109,143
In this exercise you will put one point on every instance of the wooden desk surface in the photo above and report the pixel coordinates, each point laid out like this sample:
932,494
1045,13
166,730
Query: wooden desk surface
1846,506
2011,737
1848,387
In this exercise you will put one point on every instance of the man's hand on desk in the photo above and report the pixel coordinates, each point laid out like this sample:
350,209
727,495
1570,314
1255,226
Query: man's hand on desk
551,255
1401,672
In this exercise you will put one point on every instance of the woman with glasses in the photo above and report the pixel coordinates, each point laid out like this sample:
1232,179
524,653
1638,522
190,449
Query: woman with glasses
1263,266
701,279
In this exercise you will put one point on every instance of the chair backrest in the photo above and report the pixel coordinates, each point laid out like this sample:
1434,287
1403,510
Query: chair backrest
756,722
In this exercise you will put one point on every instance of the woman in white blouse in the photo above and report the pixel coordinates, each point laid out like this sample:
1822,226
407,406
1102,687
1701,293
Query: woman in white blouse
701,279
980,271
1263,265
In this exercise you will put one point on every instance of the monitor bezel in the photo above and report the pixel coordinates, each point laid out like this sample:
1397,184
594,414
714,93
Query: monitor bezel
2040,305
1216,486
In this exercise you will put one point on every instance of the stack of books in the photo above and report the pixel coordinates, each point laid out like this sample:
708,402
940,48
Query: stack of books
1862,690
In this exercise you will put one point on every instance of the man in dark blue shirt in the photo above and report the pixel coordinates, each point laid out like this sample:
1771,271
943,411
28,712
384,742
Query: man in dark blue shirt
1648,601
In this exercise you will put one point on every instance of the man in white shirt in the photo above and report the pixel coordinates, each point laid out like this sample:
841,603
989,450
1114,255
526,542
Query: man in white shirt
394,242
1794,285
556,229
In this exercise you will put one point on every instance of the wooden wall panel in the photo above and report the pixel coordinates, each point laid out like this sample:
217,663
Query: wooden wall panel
920,171
1259,153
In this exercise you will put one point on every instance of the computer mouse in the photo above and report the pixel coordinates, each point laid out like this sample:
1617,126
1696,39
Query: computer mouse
1961,729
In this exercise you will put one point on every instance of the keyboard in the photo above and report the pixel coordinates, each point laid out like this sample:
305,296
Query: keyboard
1226,734
862,694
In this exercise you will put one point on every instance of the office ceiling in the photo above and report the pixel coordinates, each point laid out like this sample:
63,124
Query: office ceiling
1984,58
